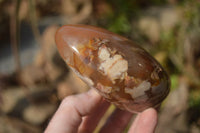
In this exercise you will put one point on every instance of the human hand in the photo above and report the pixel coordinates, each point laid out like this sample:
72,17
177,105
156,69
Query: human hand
81,113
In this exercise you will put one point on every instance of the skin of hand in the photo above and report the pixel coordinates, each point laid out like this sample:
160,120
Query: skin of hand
81,114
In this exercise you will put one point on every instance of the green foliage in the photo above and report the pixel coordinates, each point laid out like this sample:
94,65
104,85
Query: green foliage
167,41
119,19
120,25
194,98
191,10
174,81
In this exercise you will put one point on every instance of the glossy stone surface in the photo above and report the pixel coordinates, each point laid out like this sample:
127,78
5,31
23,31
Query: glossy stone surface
122,72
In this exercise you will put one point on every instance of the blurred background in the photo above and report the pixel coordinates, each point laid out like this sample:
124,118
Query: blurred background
34,79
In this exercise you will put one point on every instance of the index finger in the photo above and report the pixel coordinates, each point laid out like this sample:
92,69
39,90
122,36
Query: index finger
69,115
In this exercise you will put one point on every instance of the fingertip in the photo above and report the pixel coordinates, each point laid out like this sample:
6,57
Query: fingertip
93,92
146,122
150,111
149,115
148,119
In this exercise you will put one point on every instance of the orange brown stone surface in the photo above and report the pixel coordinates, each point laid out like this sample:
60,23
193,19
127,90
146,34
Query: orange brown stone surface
122,72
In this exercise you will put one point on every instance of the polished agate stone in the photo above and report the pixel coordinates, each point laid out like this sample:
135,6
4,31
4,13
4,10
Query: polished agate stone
121,71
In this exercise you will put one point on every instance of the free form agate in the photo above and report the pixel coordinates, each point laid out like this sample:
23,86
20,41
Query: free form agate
122,72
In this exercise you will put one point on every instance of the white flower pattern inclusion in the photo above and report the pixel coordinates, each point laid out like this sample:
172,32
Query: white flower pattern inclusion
139,90
114,67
